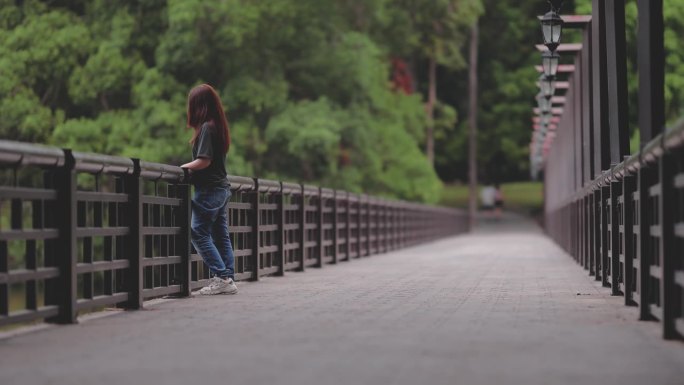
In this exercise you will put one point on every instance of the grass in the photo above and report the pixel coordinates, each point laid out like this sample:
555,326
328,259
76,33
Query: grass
526,197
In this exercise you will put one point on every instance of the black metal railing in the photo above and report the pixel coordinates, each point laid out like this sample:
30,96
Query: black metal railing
621,216
81,231
627,228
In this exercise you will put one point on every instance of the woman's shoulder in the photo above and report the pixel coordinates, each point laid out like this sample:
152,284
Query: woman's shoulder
209,125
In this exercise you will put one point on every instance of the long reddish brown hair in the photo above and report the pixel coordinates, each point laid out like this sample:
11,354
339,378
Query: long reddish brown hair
204,106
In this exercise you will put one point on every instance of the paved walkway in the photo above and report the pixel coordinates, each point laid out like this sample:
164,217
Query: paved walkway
501,306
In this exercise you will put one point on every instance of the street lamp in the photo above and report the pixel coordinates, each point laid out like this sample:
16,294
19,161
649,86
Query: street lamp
544,103
547,85
550,63
552,28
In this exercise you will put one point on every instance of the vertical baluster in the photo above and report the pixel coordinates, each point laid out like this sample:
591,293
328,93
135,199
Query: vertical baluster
66,291
183,244
358,226
605,212
4,287
133,246
17,224
109,244
50,245
598,238
319,225
368,225
668,245
87,251
615,191
628,187
383,228
335,227
302,231
255,215
156,276
31,257
644,243
280,200
348,221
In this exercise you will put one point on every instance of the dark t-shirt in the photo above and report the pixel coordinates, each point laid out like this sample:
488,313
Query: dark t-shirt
208,145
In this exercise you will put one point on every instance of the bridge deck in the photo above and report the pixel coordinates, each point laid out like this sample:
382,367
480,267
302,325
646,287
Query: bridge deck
501,306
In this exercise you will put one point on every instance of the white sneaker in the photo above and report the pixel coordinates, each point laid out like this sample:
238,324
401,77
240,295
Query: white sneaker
219,286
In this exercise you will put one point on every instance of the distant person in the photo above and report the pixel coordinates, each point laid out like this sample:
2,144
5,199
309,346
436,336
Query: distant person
487,197
498,200
210,142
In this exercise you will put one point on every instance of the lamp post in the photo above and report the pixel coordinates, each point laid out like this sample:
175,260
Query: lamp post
550,62
543,103
552,28
547,85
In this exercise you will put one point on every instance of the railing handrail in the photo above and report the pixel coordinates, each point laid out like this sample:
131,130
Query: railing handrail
672,137
22,154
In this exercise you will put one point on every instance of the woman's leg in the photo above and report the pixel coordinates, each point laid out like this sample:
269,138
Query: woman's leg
206,207
221,237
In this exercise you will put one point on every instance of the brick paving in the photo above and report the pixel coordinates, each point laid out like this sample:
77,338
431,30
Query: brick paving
503,305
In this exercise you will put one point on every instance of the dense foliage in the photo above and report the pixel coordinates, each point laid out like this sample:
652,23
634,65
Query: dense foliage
307,83
508,32
673,13
507,56
334,92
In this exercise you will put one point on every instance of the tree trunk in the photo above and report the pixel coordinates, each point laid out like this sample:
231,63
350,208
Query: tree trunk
432,98
472,134
104,102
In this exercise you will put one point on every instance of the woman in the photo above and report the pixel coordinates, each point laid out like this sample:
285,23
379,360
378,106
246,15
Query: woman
498,200
210,142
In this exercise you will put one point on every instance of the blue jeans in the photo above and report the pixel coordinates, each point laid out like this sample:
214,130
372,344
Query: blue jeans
210,234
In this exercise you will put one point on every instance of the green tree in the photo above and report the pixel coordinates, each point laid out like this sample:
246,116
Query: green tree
306,84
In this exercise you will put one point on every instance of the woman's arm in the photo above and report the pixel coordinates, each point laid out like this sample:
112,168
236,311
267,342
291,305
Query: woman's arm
197,164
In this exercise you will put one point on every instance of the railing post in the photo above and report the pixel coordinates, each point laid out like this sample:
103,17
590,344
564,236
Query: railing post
598,235
281,231
348,229
402,226
628,187
334,224
605,240
667,247
66,296
51,252
368,226
585,225
644,244
302,227
319,224
383,229
587,107
590,233
600,88
358,227
133,246
615,190
616,64
183,192
651,66
256,241
592,240
391,223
